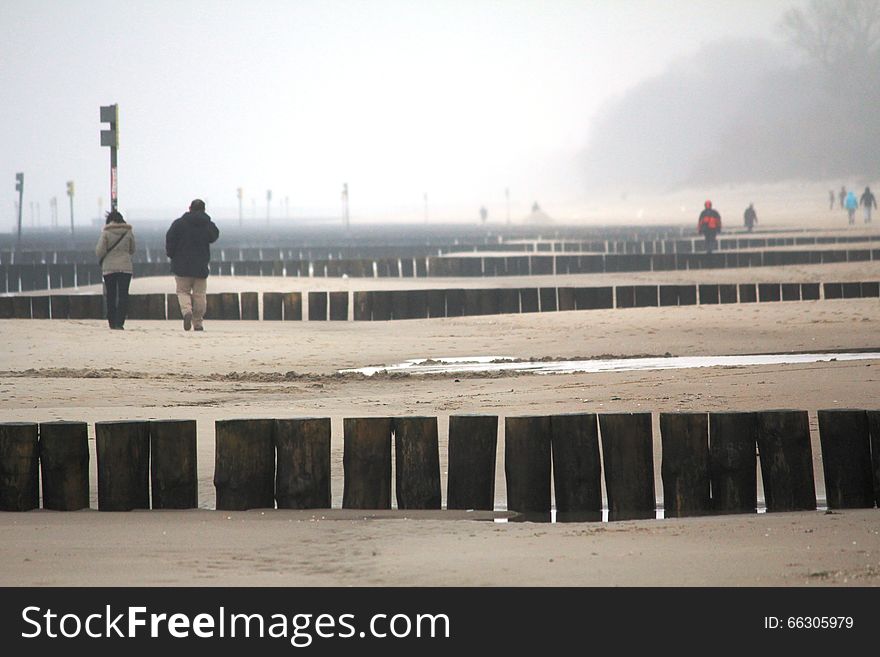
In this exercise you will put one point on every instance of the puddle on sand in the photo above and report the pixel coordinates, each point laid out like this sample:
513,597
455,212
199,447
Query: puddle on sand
505,364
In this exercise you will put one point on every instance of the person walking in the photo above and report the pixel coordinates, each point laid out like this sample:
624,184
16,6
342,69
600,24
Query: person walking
750,217
842,196
188,245
709,225
114,249
831,199
852,204
868,201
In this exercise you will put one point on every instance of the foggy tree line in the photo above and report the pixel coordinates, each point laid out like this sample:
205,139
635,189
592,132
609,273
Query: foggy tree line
753,111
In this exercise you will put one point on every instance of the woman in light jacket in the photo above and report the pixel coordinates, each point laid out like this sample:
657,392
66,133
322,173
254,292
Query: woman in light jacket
114,250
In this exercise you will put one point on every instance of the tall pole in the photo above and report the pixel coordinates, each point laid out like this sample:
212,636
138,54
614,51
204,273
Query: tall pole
70,195
19,186
345,221
110,114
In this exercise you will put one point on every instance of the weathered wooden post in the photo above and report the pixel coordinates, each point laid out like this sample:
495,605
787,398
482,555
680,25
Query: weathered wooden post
250,305
362,310
366,463
547,297
684,466
59,306
436,303
470,482
874,430
528,299
733,462
454,303
19,466
417,459
229,305
338,306
846,458
628,457
566,298
213,306
291,304
40,307
317,306
577,470
172,303
527,465
472,302
786,460
509,300
64,465
21,307
272,306
173,464
123,450
302,474
244,466
381,305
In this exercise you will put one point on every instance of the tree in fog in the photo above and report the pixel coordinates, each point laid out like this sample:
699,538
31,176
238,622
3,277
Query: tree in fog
836,32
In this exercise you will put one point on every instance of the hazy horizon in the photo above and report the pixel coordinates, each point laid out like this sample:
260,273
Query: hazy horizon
457,100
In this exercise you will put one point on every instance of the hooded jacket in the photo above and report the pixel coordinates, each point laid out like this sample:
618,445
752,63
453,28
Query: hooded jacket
117,259
188,242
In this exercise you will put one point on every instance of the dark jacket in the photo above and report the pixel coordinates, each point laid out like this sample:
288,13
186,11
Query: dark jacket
868,199
187,243
709,220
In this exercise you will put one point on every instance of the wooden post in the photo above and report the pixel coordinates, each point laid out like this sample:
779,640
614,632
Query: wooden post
214,306
19,466
566,298
366,463
291,306
173,307
381,305
302,475
454,303
624,296
472,302
400,304
646,295
417,460
527,465
786,460
64,465
229,304
59,305
747,293
547,296
272,306
363,306
470,482
874,430
528,298
123,450
846,458
317,306
684,467
733,462
417,303
727,293
668,295
40,307
628,457
687,295
173,464
577,470
244,465
338,306
436,303
250,305
21,307
509,300
490,301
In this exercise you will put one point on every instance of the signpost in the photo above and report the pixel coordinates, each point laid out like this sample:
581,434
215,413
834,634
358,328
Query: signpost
110,137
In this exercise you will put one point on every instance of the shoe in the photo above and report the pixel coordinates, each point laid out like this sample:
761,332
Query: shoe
187,322
199,328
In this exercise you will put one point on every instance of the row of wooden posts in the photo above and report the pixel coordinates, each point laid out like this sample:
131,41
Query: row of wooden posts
421,304
709,463
27,277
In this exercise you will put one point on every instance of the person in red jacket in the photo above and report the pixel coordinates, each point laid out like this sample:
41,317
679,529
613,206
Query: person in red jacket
709,226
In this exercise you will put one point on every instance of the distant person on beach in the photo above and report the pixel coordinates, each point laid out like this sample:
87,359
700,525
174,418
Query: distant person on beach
750,217
709,225
868,201
852,204
484,214
831,199
187,244
842,196
114,249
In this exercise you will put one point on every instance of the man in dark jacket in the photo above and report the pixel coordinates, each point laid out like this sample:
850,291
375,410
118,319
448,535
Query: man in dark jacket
750,217
187,243
868,201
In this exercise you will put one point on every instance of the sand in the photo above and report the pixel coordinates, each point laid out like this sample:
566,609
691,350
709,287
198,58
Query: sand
79,370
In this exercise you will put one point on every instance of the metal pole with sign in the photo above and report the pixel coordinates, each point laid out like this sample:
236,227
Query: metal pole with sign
110,137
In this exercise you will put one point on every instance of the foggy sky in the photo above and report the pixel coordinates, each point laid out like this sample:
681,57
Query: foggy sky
456,99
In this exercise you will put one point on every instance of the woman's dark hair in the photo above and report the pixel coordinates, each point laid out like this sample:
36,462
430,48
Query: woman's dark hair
114,217
198,205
